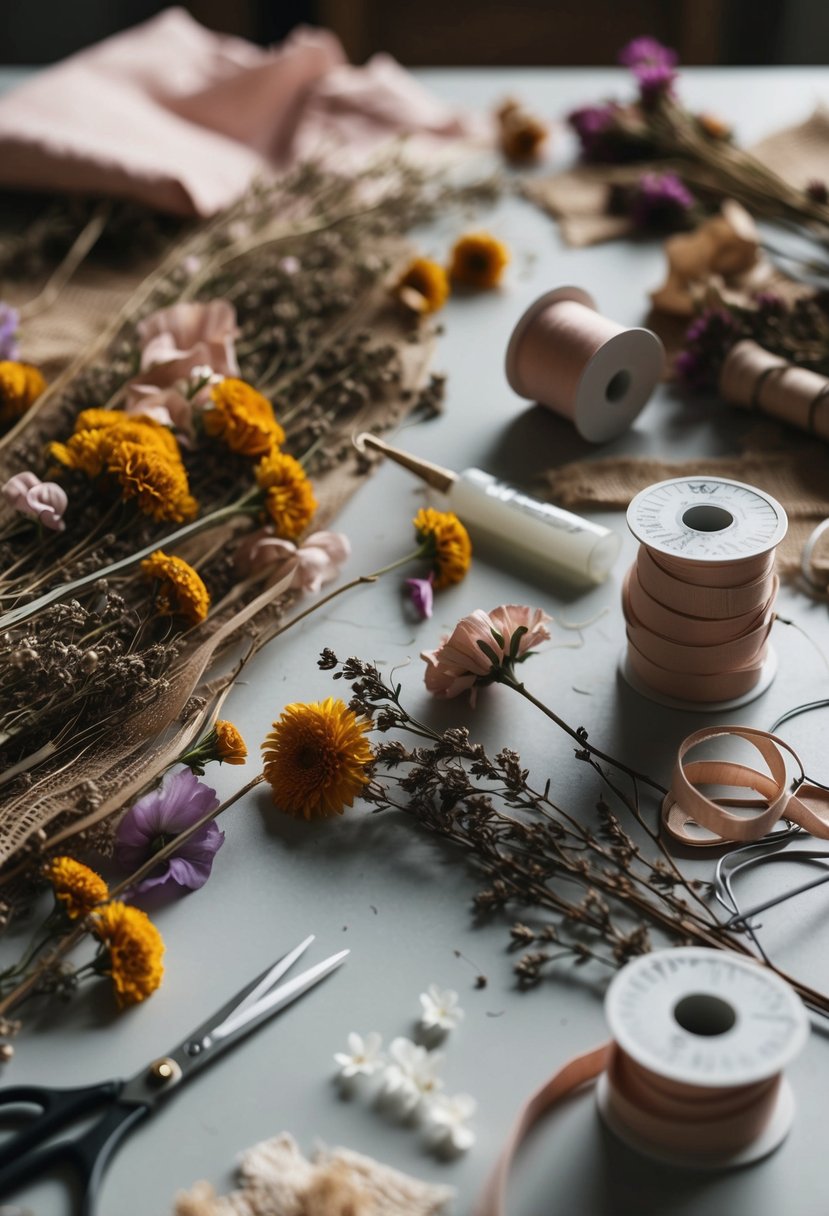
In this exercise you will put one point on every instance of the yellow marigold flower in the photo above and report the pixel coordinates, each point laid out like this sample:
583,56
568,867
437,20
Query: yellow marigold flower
97,434
230,746
449,546
133,950
289,495
20,386
181,591
317,758
478,260
159,485
77,888
242,418
136,428
423,286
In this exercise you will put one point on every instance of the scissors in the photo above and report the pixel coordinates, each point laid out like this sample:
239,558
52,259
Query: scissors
125,1103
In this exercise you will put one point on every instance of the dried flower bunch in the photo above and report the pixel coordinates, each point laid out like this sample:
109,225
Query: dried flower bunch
584,890
159,493
701,157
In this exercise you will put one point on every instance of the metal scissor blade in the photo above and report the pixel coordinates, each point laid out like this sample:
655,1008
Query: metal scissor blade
279,997
270,977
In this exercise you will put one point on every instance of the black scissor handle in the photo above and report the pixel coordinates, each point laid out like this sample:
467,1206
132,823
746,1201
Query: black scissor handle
21,1159
59,1107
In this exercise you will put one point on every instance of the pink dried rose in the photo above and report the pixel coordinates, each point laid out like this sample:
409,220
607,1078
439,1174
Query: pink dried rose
483,647
184,348
44,501
315,562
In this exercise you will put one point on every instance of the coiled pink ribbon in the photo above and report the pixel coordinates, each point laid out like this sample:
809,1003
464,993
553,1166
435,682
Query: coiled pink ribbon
686,809
698,630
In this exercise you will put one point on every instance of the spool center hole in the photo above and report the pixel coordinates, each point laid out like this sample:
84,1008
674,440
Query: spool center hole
703,1014
707,518
617,386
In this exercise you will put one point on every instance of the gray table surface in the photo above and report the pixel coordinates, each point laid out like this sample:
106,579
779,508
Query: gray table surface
397,899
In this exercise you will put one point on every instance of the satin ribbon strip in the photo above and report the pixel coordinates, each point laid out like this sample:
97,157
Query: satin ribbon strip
686,810
576,1073
656,1110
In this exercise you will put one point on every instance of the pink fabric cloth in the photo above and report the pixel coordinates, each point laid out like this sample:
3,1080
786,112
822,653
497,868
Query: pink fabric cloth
180,118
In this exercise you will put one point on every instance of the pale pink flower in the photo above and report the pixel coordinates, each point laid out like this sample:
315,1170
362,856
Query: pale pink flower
174,334
314,563
167,406
480,645
44,501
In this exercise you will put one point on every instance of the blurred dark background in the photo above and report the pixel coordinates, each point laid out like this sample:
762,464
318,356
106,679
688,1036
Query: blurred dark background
456,32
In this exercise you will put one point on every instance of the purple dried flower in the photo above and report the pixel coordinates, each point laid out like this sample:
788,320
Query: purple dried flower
594,126
156,818
9,324
661,201
770,304
708,340
421,594
655,82
817,191
645,51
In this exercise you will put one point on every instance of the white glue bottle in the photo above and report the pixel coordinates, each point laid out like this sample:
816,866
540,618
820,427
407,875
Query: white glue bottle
537,532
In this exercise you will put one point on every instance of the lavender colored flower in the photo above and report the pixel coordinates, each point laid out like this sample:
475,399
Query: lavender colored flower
9,324
661,201
421,594
647,52
655,82
156,818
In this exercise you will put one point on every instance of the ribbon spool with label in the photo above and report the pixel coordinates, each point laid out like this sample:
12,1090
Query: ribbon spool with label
693,1072
699,600
596,373
701,1039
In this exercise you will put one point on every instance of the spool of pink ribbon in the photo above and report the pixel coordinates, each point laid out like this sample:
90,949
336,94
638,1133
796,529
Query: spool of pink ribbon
599,375
693,1072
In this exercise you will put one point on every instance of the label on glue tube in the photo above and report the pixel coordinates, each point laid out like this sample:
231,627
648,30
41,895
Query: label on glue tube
543,532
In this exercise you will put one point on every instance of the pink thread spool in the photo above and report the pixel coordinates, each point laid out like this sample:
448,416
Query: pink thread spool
567,356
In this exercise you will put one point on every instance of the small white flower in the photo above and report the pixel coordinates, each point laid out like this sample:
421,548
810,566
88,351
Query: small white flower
363,1057
204,374
289,265
411,1074
448,1118
441,1010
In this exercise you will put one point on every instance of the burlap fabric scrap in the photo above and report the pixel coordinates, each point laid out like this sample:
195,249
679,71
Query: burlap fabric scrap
278,1180
797,474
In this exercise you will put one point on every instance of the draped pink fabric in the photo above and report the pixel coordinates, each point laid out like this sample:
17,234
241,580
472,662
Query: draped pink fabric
175,116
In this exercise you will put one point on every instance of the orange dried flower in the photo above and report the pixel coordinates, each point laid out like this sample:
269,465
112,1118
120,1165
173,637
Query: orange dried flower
478,260
158,485
449,547
317,758
714,126
230,746
20,386
289,495
521,134
423,287
133,952
181,591
77,888
98,432
242,418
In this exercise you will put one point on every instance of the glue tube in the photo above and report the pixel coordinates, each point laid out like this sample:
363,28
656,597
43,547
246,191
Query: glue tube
537,532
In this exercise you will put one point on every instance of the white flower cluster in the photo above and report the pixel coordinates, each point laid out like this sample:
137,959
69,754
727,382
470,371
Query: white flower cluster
410,1083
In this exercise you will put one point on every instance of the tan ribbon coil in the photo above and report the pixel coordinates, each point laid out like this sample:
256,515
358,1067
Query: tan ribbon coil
594,372
693,1072
686,810
755,379
699,600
